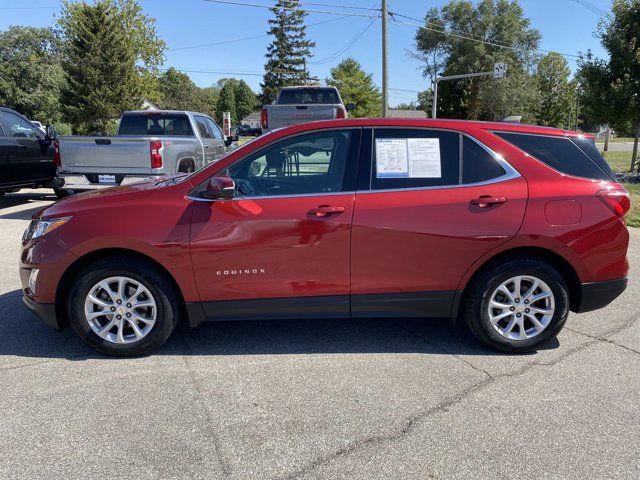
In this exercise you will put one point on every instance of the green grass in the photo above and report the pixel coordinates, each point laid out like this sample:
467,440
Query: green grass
620,162
617,140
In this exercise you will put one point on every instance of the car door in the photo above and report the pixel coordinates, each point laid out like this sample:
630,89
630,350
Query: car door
33,159
280,247
7,151
218,137
206,136
429,204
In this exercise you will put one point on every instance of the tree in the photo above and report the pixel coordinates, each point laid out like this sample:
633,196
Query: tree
30,72
227,102
464,38
615,84
178,92
246,100
557,92
356,86
288,52
99,65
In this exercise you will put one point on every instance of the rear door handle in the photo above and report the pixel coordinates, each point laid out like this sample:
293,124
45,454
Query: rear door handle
485,201
326,210
22,145
206,145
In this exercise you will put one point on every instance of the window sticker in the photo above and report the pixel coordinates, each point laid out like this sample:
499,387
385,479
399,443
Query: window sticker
408,158
424,158
392,158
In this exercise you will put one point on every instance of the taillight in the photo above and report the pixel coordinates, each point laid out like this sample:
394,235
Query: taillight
56,153
616,200
156,154
341,113
263,119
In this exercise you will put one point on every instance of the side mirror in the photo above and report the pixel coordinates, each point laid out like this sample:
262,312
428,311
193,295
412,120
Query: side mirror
51,133
228,141
219,188
350,106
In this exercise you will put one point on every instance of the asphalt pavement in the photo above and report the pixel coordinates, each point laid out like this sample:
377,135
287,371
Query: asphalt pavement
324,399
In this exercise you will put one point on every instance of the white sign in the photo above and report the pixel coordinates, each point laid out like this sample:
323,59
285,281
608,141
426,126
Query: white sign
408,158
226,124
391,158
424,157
499,70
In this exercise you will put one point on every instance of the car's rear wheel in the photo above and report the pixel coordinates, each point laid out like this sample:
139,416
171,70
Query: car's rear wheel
123,306
517,305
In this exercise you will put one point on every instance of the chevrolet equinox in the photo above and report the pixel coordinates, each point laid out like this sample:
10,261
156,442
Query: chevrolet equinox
506,226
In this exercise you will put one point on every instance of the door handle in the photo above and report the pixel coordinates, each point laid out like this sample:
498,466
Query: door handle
485,201
22,145
326,210
206,145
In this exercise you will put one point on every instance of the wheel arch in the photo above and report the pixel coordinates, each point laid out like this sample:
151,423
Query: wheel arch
64,285
557,261
186,160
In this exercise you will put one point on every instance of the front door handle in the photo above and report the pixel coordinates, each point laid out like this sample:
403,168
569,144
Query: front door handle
206,145
485,201
326,210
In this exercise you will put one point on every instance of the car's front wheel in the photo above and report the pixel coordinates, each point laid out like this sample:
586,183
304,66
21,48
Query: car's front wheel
123,306
517,305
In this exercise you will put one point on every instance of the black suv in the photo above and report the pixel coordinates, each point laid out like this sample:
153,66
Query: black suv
27,156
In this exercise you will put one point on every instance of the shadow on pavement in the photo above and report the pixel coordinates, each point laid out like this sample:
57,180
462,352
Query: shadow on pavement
21,334
21,206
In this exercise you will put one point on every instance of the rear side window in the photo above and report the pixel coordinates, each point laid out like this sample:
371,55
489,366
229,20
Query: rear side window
155,125
559,153
588,146
478,165
302,96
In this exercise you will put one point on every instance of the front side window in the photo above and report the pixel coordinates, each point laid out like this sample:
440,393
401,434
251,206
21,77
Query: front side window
306,164
18,127
215,130
203,129
413,158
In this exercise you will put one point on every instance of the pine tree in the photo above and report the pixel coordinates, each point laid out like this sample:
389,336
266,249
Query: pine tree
99,66
287,54
356,86
227,102
246,101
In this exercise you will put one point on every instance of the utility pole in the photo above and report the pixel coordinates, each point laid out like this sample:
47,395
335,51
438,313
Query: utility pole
385,73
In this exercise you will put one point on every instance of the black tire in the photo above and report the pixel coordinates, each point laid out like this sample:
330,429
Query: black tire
62,193
478,295
146,273
186,168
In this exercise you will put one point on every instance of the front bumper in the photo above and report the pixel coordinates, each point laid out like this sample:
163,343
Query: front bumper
597,295
77,181
44,311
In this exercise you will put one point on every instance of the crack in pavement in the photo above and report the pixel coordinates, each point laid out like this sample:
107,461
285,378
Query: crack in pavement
443,406
604,339
226,469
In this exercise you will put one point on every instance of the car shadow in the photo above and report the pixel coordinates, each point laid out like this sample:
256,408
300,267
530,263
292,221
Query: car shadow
22,205
22,335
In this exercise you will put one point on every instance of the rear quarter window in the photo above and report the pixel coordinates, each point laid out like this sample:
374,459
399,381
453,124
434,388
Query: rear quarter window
559,153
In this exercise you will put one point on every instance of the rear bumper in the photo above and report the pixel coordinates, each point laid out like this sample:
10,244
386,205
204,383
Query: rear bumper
77,181
46,312
596,295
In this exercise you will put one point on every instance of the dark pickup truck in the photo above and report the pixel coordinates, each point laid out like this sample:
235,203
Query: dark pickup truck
27,156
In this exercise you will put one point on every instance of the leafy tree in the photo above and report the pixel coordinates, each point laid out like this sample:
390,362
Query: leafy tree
473,47
178,92
227,102
30,72
289,50
615,83
557,92
99,64
356,86
246,101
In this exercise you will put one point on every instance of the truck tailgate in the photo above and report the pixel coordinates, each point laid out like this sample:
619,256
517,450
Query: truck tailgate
280,116
105,154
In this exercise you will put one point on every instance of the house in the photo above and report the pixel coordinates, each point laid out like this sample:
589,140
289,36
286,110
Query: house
406,113
253,120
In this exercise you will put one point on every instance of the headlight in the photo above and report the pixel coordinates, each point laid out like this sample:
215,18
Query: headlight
40,227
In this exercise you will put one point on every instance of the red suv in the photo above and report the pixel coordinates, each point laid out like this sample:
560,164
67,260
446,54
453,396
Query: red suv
506,226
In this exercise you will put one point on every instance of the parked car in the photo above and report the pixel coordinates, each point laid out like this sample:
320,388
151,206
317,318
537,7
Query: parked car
149,144
39,126
296,105
26,154
506,226
245,130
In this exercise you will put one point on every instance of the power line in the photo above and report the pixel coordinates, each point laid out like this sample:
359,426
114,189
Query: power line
346,47
593,8
269,7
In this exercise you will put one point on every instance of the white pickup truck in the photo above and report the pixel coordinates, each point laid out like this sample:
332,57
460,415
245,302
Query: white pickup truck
149,144
295,105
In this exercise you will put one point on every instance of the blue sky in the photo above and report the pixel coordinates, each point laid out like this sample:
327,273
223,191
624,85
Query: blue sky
566,26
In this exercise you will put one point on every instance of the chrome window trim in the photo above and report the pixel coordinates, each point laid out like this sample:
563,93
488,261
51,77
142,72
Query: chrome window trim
259,197
510,172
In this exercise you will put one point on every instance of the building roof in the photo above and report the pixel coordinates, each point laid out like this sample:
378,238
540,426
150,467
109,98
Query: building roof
252,117
407,113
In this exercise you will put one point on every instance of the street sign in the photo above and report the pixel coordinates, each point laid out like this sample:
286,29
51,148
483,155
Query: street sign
226,124
499,70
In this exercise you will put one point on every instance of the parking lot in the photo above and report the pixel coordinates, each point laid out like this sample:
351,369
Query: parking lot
352,399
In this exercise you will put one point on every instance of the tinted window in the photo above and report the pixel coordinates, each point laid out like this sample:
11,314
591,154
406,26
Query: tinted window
1,131
299,96
18,127
313,163
477,164
215,130
411,158
155,125
203,129
558,153
588,146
